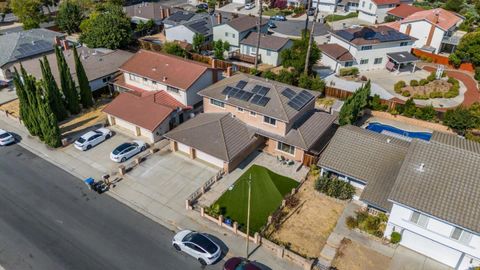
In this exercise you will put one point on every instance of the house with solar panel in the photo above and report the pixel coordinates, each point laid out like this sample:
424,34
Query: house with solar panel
429,189
369,48
243,113
185,30
24,45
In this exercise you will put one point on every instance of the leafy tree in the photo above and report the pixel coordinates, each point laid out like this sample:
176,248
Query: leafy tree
52,93
70,15
295,56
85,91
68,85
286,76
426,113
198,40
376,104
47,120
173,48
460,119
354,104
454,5
468,50
219,48
269,75
145,26
345,117
29,12
409,109
109,28
311,82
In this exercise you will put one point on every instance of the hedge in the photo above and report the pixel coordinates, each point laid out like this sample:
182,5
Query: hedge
352,71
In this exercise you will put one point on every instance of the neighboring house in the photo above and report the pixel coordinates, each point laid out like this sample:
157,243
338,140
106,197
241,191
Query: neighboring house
186,31
333,6
348,5
368,48
181,17
24,45
150,72
146,11
147,115
101,65
402,11
245,112
375,11
269,49
296,3
435,30
237,29
429,189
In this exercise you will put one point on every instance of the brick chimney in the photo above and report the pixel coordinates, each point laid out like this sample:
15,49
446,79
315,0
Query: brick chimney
219,18
167,12
214,63
229,72
56,41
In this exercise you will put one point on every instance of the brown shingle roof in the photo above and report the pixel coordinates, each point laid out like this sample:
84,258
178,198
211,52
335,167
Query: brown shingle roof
268,42
244,23
168,69
336,52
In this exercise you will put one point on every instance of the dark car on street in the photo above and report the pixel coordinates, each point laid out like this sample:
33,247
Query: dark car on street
237,263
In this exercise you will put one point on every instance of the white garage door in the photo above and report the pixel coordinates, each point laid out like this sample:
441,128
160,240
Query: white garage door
208,158
183,148
430,248
126,125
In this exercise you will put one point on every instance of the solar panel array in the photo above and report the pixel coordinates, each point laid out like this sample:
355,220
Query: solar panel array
29,49
181,16
237,93
241,84
370,34
260,90
288,93
260,100
300,100
255,96
200,27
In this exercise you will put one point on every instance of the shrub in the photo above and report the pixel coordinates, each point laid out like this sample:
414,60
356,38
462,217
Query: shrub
393,112
215,210
335,187
371,224
398,86
364,78
375,104
277,219
477,73
395,238
432,76
362,216
435,94
422,82
406,93
427,113
291,201
413,83
420,96
351,222
351,71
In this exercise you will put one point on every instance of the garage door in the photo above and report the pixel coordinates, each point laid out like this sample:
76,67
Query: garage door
183,148
430,248
208,158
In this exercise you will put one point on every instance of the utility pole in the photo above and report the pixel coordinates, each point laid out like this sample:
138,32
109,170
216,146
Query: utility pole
310,40
248,211
309,5
259,28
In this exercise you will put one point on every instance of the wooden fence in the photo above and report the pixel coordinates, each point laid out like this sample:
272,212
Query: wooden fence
442,60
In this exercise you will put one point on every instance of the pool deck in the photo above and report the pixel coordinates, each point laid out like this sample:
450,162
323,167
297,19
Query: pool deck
397,124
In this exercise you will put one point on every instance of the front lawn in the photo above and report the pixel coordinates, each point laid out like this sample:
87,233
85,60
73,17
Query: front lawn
337,17
268,191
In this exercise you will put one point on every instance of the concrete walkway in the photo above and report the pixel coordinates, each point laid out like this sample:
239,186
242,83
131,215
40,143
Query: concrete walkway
144,200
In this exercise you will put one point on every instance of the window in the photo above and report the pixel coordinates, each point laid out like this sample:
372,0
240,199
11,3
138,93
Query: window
233,35
240,109
269,53
461,235
217,103
363,4
145,80
226,34
173,89
402,44
286,148
366,48
269,120
378,60
370,6
131,77
419,219
363,61
349,64
254,114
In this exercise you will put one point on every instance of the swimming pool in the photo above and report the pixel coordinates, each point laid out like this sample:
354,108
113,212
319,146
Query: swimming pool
389,130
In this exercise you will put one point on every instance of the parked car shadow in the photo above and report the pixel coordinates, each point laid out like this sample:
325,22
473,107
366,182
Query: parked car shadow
17,137
74,135
222,246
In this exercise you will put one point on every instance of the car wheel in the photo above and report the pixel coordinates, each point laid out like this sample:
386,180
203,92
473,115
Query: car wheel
177,247
202,261
107,137
143,148
89,147
123,159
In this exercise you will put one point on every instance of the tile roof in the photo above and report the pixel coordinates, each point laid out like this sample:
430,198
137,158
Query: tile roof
370,35
217,134
268,42
455,141
442,18
97,63
447,186
146,111
366,156
146,10
386,2
171,70
403,10
20,45
277,107
244,23
336,52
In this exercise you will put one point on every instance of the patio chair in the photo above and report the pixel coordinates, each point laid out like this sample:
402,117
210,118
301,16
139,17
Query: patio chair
289,162
281,159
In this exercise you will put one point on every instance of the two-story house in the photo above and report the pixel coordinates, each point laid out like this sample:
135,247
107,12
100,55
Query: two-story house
245,112
145,11
435,30
237,29
375,11
163,80
269,49
429,189
367,48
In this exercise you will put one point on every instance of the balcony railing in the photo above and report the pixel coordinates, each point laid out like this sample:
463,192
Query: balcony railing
236,55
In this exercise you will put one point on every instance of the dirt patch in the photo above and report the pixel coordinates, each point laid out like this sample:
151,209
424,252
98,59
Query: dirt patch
12,107
441,86
86,119
353,256
306,229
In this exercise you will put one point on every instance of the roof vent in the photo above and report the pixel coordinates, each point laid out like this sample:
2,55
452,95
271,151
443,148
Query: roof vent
164,78
226,97
421,168
389,140
154,69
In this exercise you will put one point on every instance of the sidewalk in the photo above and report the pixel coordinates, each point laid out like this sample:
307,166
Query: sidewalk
141,199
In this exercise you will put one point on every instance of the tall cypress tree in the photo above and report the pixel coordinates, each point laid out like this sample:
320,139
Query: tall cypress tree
48,120
85,92
27,93
68,85
52,93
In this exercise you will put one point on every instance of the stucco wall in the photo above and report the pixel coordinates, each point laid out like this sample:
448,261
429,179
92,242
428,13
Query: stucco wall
421,30
179,32
271,148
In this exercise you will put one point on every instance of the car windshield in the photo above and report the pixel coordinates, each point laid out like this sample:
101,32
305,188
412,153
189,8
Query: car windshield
202,241
121,148
4,135
242,265
81,140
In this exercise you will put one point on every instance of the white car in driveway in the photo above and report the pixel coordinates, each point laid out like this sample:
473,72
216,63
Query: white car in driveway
127,150
249,6
197,245
92,138
6,138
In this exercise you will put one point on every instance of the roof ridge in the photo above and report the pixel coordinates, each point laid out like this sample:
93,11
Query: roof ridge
281,101
175,130
223,134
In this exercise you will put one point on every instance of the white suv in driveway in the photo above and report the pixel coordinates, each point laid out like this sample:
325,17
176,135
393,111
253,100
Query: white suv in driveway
92,138
197,245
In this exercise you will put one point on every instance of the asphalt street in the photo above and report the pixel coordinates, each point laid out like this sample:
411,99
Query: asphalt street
50,220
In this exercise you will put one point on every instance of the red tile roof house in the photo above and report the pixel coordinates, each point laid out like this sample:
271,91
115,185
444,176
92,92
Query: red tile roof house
165,86
402,11
243,113
375,11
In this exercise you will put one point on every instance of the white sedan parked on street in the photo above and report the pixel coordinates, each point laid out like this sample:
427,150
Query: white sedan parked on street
6,138
92,138
127,150
249,6
197,245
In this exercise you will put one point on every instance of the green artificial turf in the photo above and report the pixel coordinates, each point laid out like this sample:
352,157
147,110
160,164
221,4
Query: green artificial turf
268,190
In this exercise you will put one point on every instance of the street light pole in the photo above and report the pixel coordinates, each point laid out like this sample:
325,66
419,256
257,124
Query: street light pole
248,212
259,34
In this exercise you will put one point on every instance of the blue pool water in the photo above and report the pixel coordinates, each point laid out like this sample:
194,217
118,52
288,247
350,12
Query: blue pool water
381,128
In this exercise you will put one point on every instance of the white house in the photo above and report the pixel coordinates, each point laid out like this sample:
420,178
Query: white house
269,49
434,29
375,11
187,30
367,48
237,29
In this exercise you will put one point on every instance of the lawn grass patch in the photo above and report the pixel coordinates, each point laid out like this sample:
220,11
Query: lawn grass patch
336,17
268,191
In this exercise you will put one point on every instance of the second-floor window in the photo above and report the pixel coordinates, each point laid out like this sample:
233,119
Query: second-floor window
173,89
240,109
217,103
363,61
419,219
254,114
461,235
269,53
370,6
378,60
402,44
269,120
349,64
366,48
363,4
226,34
